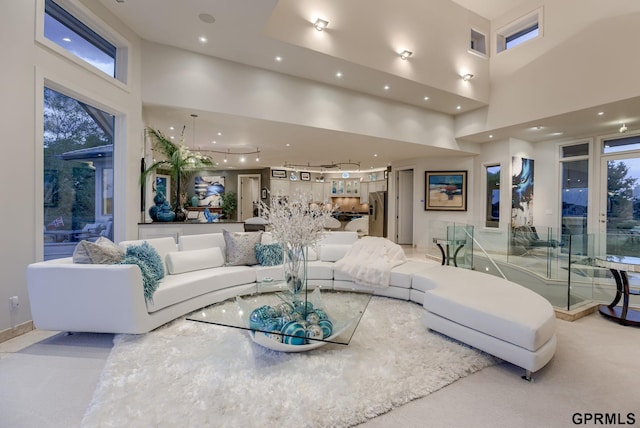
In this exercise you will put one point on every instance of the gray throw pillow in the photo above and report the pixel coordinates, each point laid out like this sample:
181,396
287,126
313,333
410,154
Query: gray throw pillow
241,247
103,251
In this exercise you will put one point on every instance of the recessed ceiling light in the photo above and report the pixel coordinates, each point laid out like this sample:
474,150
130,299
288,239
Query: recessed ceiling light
219,133
66,39
278,58
288,145
490,135
375,155
458,107
214,142
387,87
205,17
405,54
600,113
555,134
171,128
172,137
537,128
426,98
242,159
202,39
339,74
320,24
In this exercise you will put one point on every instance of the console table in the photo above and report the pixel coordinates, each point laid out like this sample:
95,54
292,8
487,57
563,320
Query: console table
446,255
619,266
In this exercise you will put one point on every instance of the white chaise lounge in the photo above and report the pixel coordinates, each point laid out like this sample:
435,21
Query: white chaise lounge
489,313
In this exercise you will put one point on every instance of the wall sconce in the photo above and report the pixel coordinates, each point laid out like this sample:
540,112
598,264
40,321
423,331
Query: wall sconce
467,77
623,128
320,24
405,54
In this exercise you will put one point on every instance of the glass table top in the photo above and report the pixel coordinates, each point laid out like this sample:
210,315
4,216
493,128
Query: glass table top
273,314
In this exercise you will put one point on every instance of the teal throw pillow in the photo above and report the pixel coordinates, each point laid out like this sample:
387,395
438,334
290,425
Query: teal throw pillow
269,254
150,264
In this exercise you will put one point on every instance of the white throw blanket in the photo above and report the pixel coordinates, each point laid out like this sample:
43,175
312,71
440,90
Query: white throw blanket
370,260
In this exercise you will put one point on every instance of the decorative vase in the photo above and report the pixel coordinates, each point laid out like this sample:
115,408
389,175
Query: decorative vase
194,201
158,200
165,213
180,214
153,212
295,268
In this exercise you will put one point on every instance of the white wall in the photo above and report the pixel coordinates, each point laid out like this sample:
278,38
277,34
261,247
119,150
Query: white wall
23,78
176,77
428,224
585,58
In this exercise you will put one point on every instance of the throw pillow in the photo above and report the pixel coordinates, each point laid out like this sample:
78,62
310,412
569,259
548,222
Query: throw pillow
150,264
191,260
269,254
241,247
102,251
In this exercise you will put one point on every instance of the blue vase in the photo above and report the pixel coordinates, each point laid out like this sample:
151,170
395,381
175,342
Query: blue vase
159,198
153,212
165,213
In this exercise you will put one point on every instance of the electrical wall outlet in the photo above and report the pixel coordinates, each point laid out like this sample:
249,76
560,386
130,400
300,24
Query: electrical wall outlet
14,302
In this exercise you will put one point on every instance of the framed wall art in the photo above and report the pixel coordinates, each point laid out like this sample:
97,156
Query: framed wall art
163,185
305,176
279,173
445,190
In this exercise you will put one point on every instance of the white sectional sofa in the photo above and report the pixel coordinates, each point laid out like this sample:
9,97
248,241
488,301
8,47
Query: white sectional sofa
491,314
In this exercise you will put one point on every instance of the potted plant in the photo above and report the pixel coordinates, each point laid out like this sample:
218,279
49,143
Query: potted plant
179,161
229,203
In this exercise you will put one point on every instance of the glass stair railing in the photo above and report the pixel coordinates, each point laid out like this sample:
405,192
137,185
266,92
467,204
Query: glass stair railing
560,267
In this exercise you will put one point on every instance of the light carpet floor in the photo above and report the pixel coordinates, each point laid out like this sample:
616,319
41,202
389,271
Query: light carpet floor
195,374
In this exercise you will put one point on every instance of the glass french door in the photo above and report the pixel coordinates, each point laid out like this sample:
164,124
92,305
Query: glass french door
620,205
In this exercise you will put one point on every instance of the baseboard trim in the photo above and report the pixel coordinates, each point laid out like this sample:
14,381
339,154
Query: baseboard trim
18,330
578,313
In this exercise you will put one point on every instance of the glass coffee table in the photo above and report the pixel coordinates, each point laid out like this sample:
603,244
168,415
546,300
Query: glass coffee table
281,321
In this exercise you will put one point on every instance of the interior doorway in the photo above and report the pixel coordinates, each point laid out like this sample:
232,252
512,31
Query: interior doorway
404,207
248,195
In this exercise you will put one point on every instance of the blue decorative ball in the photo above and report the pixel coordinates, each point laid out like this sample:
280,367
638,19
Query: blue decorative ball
302,307
322,314
293,333
259,318
326,326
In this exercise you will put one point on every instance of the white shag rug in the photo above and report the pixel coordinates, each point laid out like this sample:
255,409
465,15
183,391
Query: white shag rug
192,374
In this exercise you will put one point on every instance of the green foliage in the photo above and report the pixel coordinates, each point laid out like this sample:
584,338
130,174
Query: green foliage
229,203
619,191
177,160
68,127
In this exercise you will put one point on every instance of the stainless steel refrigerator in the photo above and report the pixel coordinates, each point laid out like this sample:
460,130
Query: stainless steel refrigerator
378,214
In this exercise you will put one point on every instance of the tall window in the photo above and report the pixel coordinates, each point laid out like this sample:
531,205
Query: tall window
78,174
77,38
493,196
622,158
575,193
